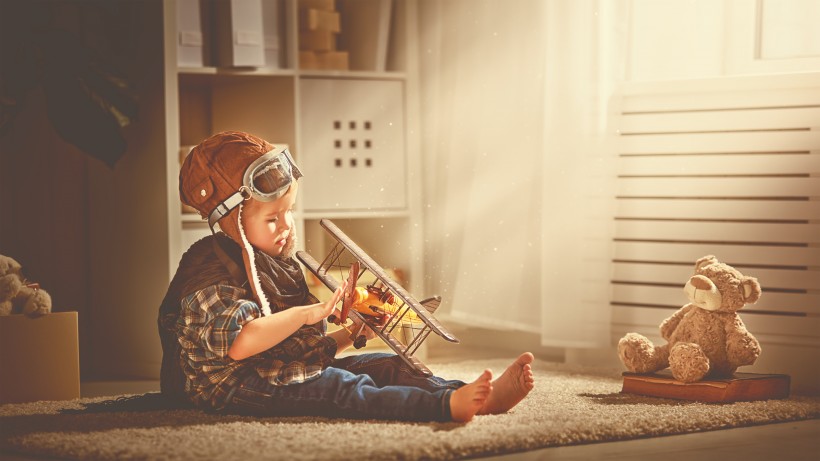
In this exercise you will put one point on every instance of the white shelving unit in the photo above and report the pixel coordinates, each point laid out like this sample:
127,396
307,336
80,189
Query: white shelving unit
340,178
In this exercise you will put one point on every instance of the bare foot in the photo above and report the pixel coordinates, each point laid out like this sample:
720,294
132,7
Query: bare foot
468,399
511,387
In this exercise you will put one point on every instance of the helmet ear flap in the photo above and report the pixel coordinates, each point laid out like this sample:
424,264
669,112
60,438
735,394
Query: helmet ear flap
751,289
705,261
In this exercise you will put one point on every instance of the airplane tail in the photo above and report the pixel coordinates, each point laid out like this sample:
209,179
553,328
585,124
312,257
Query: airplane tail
432,303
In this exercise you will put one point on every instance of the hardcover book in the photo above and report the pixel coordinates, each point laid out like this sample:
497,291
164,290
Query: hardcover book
741,387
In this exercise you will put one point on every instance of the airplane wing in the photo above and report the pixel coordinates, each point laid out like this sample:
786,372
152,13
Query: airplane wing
405,351
380,273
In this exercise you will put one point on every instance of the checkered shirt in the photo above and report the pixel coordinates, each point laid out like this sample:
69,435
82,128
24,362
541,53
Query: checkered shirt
210,321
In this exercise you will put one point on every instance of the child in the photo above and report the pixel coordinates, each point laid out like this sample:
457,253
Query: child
242,333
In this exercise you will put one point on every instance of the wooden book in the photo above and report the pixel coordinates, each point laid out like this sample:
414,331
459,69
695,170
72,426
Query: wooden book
742,387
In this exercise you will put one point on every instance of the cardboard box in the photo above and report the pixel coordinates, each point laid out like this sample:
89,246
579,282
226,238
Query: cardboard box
317,40
323,60
39,358
312,19
326,5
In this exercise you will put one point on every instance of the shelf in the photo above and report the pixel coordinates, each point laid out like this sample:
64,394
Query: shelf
355,214
195,218
280,104
363,75
251,71
270,72
313,215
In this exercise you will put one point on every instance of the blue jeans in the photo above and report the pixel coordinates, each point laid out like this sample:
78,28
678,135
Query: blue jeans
366,386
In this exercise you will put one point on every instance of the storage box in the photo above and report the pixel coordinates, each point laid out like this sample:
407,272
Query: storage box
39,358
192,48
240,40
353,145
271,26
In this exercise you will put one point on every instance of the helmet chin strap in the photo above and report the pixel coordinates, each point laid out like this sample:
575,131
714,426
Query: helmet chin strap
225,207
256,285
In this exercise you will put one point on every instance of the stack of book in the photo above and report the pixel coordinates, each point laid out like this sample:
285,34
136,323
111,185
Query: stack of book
319,26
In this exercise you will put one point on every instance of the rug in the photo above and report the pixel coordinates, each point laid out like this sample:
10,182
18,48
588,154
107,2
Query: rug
569,405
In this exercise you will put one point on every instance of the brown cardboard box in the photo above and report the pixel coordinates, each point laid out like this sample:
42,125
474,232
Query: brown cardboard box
326,5
312,19
323,60
317,40
39,358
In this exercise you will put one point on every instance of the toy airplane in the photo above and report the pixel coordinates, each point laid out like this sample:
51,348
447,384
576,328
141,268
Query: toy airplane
398,319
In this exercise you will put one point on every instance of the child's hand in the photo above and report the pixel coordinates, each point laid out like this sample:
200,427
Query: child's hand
319,311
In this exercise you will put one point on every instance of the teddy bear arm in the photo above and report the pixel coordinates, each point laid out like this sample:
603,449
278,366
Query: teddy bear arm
669,325
742,348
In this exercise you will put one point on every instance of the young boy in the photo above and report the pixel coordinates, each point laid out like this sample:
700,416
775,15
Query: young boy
242,333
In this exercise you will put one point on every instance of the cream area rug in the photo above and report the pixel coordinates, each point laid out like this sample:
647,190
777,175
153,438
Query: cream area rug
569,405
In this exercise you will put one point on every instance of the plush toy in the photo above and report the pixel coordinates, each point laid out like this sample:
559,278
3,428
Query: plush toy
705,337
16,295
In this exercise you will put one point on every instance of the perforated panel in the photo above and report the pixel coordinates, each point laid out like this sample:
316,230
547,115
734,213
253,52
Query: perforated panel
353,151
729,167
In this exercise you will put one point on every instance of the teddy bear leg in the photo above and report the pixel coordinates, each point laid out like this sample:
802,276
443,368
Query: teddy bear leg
10,285
688,363
639,355
38,302
5,308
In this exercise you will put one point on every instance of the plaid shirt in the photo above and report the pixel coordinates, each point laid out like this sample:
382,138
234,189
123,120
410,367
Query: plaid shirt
210,321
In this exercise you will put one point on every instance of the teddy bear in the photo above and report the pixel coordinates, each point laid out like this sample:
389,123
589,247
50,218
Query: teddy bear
706,337
16,295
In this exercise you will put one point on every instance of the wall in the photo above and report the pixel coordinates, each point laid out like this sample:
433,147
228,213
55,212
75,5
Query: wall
44,198
664,40
670,39
734,38
63,207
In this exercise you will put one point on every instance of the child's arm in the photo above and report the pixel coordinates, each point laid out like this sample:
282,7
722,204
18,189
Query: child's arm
342,338
265,332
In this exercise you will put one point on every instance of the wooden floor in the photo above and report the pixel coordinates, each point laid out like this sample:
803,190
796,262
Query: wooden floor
787,441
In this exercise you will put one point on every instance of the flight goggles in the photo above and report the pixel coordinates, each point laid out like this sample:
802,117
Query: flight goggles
266,179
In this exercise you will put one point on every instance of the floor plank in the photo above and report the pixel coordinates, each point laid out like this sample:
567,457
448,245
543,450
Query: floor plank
795,441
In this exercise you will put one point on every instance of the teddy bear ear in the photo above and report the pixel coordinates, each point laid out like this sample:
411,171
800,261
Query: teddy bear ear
751,289
9,265
705,261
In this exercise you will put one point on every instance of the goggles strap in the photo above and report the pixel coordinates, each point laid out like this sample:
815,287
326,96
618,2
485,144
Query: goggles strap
224,208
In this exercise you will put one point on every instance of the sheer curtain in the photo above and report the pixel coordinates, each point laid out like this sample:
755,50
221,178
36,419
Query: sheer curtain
511,121
586,41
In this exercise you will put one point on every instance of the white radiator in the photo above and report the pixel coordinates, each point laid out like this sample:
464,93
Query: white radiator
729,167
